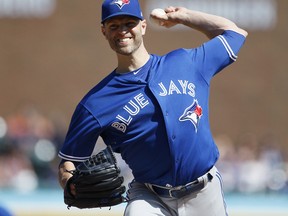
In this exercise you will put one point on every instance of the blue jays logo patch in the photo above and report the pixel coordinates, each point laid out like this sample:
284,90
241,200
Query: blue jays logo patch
121,3
192,113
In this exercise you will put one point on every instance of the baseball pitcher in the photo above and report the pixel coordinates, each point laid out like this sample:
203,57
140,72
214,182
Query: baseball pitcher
153,110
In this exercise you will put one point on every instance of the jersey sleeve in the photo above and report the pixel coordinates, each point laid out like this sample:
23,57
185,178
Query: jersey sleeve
81,137
219,52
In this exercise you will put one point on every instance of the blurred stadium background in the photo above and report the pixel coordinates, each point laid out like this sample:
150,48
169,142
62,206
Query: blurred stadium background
52,52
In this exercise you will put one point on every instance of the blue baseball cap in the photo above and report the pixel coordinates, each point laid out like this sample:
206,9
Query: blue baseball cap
112,8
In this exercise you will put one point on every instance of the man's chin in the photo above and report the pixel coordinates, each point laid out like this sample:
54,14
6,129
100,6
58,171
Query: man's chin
124,52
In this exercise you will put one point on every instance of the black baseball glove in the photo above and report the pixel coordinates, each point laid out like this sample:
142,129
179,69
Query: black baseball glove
97,182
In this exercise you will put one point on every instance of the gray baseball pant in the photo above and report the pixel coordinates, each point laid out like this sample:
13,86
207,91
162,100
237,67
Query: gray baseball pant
209,201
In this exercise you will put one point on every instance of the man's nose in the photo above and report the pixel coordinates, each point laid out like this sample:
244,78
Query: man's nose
123,29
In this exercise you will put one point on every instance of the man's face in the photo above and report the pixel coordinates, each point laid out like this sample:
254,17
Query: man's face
124,33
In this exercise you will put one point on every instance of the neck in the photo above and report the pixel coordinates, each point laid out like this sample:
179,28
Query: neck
127,63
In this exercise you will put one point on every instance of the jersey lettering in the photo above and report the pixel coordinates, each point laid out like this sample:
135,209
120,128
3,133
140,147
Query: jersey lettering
141,100
125,121
184,87
134,105
132,108
173,88
119,126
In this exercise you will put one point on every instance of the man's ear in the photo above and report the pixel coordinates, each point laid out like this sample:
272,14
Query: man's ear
143,26
103,30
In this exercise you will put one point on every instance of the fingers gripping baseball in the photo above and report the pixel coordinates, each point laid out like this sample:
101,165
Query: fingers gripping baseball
158,16
162,17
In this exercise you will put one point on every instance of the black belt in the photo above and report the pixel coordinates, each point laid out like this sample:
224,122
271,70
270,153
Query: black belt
181,191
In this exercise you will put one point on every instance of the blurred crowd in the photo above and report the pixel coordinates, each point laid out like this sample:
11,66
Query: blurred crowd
251,165
30,141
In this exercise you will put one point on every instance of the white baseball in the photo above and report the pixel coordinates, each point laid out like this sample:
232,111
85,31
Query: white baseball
158,12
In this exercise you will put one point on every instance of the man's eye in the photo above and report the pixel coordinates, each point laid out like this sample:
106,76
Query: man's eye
131,24
113,27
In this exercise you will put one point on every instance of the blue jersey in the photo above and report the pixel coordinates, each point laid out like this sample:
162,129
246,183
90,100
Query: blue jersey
156,116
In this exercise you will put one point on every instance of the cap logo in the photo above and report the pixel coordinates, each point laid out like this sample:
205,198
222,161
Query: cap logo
121,3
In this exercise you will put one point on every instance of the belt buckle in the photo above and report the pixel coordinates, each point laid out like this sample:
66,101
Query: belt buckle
182,189
186,189
170,193
179,188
